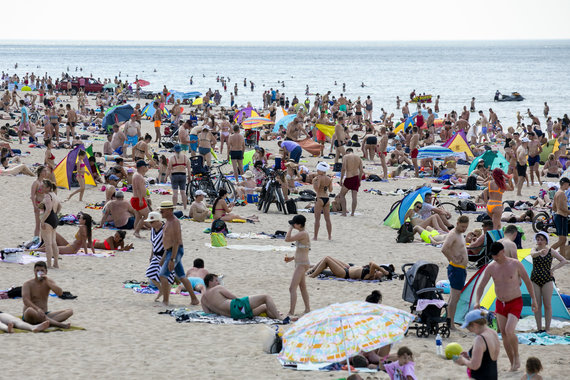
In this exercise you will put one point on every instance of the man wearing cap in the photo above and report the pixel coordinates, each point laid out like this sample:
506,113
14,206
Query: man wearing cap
236,149
560,210
456,253
507,274
292,149
110,188
198,210
138,201
522,152
174,250
119,212
350,176
132,131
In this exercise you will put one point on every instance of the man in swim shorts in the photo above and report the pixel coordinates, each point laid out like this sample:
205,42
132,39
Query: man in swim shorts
560,210
350,175
522,152
132,131
119,212
456,253
534,150
138,201
236,149
194,139
219,300
507,274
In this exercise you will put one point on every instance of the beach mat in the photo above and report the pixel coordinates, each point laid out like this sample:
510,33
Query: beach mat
258,248
318,366
324,277
187,315
541,339
310,146
48,330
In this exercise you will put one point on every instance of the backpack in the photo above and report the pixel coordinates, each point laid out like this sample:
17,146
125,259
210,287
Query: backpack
291,206
337,167
465,205
471,183
219,226
374,178
405,233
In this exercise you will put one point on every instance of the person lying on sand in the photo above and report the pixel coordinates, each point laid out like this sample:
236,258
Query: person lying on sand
196,276
114,243
219,300
8,322
18,169
35,294
372,271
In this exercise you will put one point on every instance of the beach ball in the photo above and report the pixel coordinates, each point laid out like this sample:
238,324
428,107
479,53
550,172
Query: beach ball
453,349
444,285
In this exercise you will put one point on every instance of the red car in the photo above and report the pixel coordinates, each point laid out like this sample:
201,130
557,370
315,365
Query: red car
88,84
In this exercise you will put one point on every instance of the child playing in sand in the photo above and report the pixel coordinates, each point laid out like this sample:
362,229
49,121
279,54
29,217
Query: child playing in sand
533,367
403,368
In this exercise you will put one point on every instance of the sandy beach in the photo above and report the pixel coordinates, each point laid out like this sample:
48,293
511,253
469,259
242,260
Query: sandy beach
125,337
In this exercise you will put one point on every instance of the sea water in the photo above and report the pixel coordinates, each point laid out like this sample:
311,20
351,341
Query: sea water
456,71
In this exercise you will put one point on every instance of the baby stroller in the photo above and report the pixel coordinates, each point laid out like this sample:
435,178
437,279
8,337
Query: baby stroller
251,138
170,137
427,301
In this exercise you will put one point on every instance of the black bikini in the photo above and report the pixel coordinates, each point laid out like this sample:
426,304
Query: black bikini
365,271
325,200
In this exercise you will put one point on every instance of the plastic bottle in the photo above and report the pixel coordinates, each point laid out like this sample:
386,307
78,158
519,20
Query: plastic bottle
438,345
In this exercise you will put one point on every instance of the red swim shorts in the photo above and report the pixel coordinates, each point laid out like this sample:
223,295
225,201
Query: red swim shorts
414,153
135,204
352,183
513,307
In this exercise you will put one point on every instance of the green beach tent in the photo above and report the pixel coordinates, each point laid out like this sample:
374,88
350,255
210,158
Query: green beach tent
492,160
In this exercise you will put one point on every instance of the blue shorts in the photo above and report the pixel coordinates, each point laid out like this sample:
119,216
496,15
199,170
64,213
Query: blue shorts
195,281
184,147
194,142
203,151
132,140
129,225
119,151
561,223
533,160
296,154
178,268
456,276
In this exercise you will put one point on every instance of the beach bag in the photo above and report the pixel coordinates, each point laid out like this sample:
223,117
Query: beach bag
465,205
291,206
405,233
218,239
374,178
337,167
219,226
471,183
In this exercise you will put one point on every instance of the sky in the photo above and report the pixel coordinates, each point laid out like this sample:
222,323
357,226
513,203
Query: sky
287,20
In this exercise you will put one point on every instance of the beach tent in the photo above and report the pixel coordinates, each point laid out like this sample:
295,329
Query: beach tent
408,123
89,151
395,217
284,121
64,170
425,114
248,111
551,146
468,294
492,160
458,143
149,110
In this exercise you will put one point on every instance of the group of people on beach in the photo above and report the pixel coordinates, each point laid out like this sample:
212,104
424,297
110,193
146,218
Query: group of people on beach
355,138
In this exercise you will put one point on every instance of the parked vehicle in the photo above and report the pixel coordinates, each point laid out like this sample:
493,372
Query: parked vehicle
89,85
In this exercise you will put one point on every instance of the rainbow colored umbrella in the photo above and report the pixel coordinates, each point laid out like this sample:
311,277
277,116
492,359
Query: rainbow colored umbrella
256,122
339,331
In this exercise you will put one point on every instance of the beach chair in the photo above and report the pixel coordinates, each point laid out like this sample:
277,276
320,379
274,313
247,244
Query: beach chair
483,257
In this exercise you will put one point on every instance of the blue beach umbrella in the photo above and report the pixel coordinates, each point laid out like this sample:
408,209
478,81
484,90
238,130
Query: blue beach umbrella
117,115
284,121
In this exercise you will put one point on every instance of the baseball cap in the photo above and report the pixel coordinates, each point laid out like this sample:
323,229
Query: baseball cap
200,192
177,148
141,163
472,316
323,167
113,177
153,217
524,139
298,219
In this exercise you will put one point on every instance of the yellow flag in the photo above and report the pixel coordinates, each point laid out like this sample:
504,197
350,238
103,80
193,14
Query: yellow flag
326,129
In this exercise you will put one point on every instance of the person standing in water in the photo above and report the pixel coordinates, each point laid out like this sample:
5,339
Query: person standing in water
302,264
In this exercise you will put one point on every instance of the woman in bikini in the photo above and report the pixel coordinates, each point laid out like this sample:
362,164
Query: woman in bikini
113,243
495,189
178,167
49,222
369,143
81,170
562,141
224,135
141,150
223,211
372,271
49,159
542,278
322,185
303,243
82,238
205,138
37,196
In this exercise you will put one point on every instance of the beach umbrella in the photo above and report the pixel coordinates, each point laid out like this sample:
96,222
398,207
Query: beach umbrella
142,82
284,122
437,151
339,331
26,88
117,115
425,114
109,86
244,113
255,122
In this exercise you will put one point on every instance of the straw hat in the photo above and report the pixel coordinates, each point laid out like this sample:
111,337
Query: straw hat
166,205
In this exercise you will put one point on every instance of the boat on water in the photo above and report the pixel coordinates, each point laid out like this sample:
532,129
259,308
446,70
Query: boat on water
514,97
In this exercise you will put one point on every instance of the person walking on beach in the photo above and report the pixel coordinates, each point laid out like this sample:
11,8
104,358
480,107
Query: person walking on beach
157,120
455,251
236,149
522,152
350,176
302,264
507,274
534,150
322,184
560,211
138,201
414,151
174,251
339,139
37,196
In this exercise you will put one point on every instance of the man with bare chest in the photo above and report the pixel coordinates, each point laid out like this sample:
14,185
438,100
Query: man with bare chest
236,149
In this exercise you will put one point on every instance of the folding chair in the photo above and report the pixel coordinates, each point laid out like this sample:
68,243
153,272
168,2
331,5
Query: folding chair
483,257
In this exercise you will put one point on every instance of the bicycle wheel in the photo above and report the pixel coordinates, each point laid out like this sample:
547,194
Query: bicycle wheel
268,200
541,222
226,184
191,188
280,200
450,207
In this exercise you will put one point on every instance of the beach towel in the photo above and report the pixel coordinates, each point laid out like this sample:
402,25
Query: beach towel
541,339
310,146
528,323
325,277
318,366
21,258
258,248
48,330
187,315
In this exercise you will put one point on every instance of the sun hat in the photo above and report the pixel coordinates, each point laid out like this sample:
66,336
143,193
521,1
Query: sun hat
323,167
472,316
166,205
153,217
542,233
200,192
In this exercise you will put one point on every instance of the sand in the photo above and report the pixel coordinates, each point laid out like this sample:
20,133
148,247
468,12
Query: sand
125,337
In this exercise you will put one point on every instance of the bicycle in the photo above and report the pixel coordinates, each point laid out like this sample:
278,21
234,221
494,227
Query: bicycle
271,192
447,206
544,221
203,179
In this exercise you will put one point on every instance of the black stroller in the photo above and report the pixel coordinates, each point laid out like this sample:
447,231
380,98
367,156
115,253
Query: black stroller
426,299
170,136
